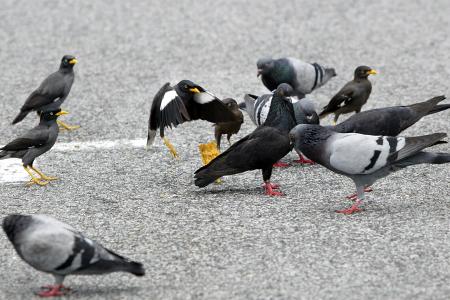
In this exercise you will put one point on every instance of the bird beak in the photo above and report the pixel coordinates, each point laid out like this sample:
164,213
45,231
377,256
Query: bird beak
194,90
61,113
372,72
259,72
73,61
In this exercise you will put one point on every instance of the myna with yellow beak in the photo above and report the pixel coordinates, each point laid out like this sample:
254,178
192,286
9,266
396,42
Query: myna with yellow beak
34,143
52,92
186,101
352,96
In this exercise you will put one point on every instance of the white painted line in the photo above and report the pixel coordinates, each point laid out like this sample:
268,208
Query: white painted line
11,169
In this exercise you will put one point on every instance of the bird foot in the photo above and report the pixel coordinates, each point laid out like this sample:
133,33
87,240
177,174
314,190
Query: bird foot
270,190
49,178
280,164
272,185
355,196
170,147
64,126
53,291
351,210
304,160
37,181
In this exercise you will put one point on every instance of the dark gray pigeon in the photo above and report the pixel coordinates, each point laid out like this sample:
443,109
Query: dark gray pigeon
52,92
352,96
51,246
34,143
390,121
302,76
364,158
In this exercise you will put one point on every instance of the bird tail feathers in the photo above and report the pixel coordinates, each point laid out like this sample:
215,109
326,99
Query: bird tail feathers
439,108
20,116
214,170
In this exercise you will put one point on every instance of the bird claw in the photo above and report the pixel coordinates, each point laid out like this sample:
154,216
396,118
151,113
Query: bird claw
53,291
280,165
37,181
303,160
272,185
64,126
352,209
269,189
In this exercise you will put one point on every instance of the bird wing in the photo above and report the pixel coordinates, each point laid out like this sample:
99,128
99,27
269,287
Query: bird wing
344,96
35,137
413,145
167,110
209,108
50,90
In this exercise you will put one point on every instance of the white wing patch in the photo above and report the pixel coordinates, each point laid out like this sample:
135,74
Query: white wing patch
262,111
354,153
204,97
168,96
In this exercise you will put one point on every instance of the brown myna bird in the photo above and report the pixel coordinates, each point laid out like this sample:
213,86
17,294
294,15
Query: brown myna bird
229,128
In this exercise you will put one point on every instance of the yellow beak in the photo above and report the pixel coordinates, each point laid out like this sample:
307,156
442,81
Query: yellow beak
372,72
194,90
61,113
73,61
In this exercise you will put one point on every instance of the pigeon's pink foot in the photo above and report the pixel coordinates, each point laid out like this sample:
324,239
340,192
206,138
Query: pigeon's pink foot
272,185
270,190
53,291
351,210
280,164
354,196
304,160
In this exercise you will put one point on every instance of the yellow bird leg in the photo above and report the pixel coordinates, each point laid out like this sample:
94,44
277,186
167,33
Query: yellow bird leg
208,152
63,125
170,147
43,176
334,123
34,180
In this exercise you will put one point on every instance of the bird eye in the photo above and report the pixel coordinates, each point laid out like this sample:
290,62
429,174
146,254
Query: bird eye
185,86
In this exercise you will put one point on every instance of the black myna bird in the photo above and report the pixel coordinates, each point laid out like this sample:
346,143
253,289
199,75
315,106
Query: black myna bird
54,247
365,158
258,150
229,128
390,121
52,92
302,76
34,143
352,96
186,101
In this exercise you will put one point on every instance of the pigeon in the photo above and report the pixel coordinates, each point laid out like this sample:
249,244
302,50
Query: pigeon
365,158
352,96
34,143
229,128
302,76
258,150
390,121
181,103
258,108
52,92
54,247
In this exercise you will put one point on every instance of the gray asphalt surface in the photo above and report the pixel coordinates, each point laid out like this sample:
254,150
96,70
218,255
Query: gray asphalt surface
227,241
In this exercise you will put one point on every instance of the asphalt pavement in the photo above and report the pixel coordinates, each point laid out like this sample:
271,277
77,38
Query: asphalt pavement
226,241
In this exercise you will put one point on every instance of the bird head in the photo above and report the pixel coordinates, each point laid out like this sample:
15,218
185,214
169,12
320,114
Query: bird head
52,115
231,103
264,66
364,72
68,61
188,87
284,90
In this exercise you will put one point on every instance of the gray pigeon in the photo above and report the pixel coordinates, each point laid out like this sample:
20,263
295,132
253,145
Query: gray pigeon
52,92
364,158
302,76
51,246
352,96
34,143
390,121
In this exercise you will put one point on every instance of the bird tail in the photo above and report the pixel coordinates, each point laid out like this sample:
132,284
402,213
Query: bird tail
20,116
242,106
120,263
135,268
216,168
424,157
439,108
150,138
324,113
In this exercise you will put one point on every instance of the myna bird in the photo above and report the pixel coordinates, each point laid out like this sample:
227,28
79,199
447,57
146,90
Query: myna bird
258,150
52,92
390,121
302,76
54,247
186,101
229,128
352,96
365,158
34,143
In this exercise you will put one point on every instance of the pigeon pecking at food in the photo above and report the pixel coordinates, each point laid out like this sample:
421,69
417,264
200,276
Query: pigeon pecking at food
365,158
51,246
52,92
302,76
352,96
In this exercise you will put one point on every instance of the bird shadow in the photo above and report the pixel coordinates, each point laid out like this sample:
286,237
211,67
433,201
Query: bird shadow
102,291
